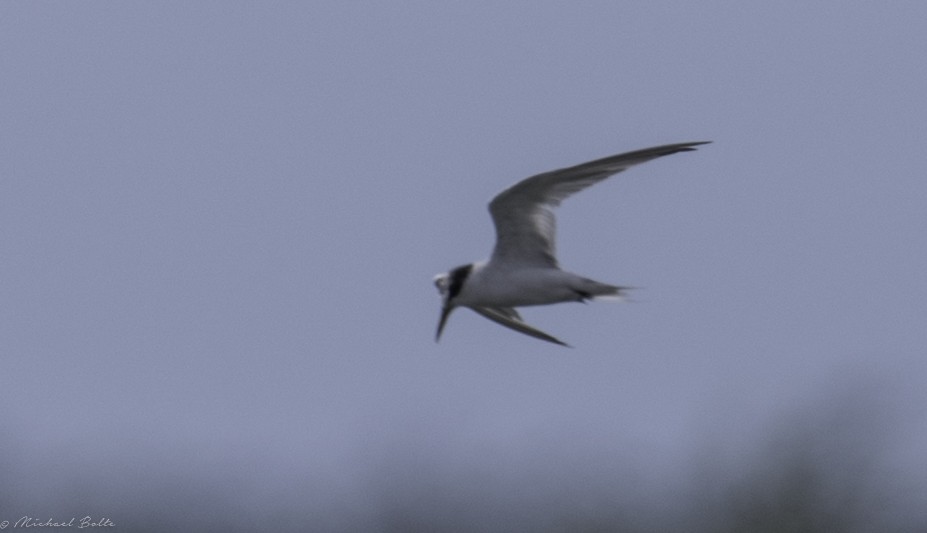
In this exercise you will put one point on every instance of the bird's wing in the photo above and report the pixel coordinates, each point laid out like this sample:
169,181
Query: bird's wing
510,318
523,213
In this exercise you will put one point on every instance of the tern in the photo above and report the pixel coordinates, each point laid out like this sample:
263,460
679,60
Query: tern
523,268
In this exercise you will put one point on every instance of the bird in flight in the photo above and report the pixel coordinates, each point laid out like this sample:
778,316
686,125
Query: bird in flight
523,268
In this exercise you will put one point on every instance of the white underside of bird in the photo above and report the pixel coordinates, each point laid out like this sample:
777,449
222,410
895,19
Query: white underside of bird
490,285
523,268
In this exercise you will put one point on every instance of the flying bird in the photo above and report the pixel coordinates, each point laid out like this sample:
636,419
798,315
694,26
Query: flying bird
523,268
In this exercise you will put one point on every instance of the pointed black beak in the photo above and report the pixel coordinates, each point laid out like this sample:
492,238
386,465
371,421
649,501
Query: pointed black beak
445,312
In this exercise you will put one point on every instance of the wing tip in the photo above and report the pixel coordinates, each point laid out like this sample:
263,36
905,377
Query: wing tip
690,146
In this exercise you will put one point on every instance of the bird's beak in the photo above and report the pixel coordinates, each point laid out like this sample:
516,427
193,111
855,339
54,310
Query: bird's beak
445,312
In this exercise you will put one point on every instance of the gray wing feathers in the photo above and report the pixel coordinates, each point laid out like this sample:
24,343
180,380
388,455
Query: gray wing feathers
510,318
523,213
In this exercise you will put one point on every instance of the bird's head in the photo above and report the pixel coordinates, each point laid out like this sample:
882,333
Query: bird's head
449,285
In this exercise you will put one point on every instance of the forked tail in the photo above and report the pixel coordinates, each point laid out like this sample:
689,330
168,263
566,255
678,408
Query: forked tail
593,290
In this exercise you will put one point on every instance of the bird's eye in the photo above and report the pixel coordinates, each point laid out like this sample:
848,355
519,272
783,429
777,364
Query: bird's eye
441,282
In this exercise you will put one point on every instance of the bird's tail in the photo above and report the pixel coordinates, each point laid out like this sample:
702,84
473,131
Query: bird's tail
594,290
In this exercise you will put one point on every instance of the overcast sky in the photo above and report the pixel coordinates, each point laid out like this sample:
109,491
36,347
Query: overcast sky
219,222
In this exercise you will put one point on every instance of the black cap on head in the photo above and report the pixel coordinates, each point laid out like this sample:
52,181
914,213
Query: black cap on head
457,278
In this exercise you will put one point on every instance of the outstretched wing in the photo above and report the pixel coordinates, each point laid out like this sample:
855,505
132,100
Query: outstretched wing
523,213
510,318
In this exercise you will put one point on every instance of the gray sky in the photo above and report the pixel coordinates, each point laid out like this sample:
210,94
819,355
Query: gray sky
221,219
